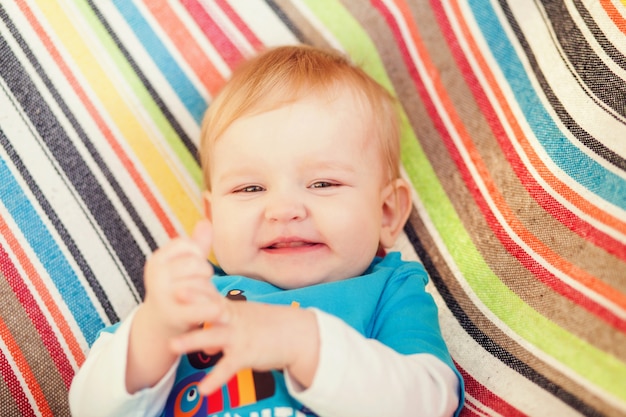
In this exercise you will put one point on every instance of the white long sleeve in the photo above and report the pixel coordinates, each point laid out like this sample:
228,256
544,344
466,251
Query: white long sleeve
355,377
362,377
99,387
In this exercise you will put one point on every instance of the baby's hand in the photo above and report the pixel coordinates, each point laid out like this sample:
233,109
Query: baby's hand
258,336
177,277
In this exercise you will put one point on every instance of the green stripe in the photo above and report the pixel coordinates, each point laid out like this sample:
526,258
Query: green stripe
597,366
148,104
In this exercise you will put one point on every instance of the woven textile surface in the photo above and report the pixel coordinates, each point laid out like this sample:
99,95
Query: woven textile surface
514,140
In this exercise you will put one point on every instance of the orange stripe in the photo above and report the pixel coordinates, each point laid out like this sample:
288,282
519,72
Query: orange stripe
185,44
614,14
518,228
245,383
24,370
104,129
42,290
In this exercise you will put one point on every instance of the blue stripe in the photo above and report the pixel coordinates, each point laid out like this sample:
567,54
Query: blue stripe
565,155
49,254
167,64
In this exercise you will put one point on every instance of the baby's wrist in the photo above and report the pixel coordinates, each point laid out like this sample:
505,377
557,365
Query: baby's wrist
305,360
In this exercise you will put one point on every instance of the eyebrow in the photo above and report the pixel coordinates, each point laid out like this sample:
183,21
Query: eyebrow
330,164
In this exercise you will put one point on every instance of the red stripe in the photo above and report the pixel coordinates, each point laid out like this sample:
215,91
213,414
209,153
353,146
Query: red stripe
486,397
215,35
512,247
215,402
233,392
243,28
104,129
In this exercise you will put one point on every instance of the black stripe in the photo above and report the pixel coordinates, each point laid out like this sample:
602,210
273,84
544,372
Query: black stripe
577,131
602,40
69,159
167,114
285,19
598,78
485,341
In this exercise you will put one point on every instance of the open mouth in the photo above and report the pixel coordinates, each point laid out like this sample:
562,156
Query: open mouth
291,245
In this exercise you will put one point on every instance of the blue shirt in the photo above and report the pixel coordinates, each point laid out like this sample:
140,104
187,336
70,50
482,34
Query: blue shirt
387,303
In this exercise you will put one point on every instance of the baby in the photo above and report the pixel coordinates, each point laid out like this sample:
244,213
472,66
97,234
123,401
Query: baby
300,153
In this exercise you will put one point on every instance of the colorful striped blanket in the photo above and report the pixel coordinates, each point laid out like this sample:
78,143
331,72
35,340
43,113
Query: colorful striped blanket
514,141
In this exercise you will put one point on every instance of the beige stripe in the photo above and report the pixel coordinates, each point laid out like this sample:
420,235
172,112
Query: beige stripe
33,349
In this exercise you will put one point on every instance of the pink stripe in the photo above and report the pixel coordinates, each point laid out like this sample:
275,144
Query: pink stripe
240,24
227,49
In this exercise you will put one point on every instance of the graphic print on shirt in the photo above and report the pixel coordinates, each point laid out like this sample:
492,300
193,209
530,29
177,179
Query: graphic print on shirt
245,388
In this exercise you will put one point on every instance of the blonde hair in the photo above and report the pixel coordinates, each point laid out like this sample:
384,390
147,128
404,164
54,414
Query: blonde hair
285,74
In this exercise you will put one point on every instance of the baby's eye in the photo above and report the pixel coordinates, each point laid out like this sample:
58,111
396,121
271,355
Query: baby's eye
250,189
323,184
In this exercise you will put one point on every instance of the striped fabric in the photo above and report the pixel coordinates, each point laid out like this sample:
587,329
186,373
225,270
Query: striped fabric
514,142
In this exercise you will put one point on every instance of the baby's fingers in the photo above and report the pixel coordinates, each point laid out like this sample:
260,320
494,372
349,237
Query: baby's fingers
219,376
210,339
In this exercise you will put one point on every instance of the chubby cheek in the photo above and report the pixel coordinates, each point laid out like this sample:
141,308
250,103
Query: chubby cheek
356,230
229,236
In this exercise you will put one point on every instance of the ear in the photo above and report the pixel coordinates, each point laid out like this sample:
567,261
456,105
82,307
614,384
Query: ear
396,209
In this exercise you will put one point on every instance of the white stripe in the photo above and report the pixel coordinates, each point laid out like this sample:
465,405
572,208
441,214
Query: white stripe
264,23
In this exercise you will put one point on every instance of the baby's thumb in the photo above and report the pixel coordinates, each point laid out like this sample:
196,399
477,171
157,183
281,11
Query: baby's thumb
202,235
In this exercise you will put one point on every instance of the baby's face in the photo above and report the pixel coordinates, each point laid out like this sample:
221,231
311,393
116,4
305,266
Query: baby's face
296,196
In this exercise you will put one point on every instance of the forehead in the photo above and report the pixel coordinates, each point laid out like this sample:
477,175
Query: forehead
330,126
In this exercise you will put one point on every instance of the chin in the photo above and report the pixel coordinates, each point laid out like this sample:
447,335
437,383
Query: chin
295,282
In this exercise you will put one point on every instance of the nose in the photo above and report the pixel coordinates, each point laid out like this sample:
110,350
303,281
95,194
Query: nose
285,208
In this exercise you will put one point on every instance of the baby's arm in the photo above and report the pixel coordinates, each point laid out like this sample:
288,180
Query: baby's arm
134,367
363,377
179,296
99,390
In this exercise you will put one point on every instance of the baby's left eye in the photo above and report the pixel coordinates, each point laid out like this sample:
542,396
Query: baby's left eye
323,184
